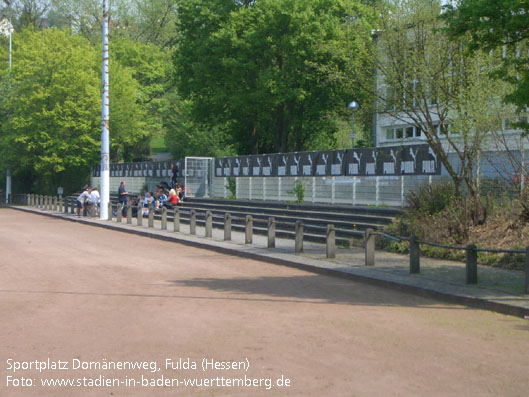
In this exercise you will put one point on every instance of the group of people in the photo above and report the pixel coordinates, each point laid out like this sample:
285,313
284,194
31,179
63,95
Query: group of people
88,202
163,196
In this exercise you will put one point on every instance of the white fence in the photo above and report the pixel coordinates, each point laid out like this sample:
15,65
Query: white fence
381,190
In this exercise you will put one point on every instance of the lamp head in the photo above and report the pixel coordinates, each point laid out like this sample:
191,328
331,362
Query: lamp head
353,106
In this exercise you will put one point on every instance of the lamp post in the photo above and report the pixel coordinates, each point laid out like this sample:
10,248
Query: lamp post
353,106
105,122
6,28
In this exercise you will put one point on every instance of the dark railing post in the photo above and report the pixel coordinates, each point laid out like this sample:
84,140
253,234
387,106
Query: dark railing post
471,264
151,217
209,224
248,235
129,213
271,233
73,203
526,289
110,210
192,222
415,258
370,247
164,218
298,245
176,220
227,226
330,248
139,215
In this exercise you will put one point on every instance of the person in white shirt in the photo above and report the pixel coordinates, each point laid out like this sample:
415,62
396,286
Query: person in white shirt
95,199
84,196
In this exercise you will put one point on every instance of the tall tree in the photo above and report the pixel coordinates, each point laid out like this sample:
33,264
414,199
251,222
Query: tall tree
429,81
276,74
50,118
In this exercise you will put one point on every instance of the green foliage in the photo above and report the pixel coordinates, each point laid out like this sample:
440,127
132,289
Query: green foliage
187,138
431,199
232,187
275,74
500,25
50,116
299,191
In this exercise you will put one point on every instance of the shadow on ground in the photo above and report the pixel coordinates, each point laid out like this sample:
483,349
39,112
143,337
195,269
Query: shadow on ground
312,289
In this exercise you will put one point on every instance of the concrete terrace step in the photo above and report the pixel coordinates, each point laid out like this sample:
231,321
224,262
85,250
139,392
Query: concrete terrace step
329,217
330,208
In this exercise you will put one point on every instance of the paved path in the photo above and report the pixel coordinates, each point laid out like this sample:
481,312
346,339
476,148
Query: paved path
80,294
498,290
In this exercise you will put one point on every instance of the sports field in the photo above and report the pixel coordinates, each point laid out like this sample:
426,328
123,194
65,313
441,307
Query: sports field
89,311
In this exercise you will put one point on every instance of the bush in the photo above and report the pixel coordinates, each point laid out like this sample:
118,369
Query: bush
299,191
232,187
431,199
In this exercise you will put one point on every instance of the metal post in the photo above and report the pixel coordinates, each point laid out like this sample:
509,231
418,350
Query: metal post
331,242
526,289
176,220
164,218
227,226
415,258
333,189
105,119
109,211
54,203
139,215
377,191
73,203
248,235
370,247
471,264
8,182
192,222
60,204
209,224
271,233
151,217
129,213
402,191
298,245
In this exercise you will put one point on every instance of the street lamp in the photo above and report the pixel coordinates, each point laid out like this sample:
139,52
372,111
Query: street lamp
6,29
105,122
353,106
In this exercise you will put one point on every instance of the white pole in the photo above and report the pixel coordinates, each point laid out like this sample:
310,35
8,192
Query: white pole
105,119
8,172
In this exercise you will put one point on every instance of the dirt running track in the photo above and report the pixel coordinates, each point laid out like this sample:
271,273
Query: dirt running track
79,294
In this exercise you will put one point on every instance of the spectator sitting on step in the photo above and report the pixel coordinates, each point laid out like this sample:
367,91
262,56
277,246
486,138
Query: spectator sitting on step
172,199
146,203
162,198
